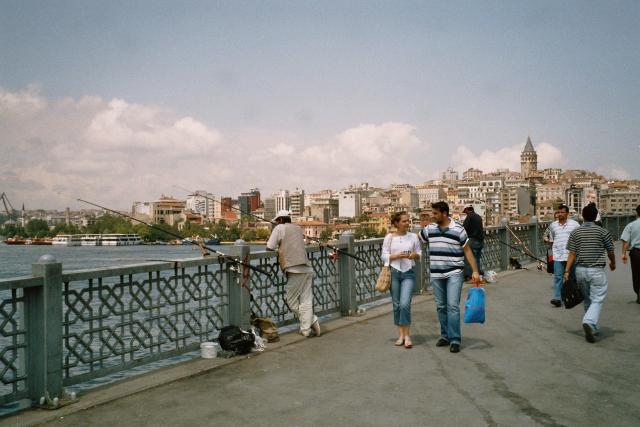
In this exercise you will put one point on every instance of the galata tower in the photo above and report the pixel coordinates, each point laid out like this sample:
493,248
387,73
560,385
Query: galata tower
528,160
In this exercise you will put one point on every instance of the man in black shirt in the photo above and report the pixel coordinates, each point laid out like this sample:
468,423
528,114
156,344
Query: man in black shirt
473,226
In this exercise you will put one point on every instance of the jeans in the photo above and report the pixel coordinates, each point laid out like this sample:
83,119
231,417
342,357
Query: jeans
594,284
402,285
476,249
634,259
558,279
446,293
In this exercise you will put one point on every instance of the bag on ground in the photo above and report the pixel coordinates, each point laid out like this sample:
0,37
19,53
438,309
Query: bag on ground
232,338
474,306
267,328
570,293
384,279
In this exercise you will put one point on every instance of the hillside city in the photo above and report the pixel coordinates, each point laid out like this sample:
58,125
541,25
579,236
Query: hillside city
363,209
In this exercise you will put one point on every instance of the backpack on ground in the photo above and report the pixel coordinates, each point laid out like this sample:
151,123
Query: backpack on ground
232,338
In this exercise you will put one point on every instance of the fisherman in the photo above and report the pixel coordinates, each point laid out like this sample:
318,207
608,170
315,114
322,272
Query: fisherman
288,240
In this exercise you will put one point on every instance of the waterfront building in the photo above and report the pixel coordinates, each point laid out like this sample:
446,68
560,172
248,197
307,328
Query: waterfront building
349,205
428,194
283,200
204,203
312,228
619,200
471,174
269,208
296,201
249,201
450,176
167,210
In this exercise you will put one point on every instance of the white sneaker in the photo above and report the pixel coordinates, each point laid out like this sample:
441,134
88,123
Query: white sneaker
316,328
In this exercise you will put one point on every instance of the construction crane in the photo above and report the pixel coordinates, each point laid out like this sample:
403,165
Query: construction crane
11,213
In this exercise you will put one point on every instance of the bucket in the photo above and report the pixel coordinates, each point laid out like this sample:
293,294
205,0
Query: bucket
208,350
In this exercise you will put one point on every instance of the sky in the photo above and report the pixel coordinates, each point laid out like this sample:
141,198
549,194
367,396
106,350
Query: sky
122,101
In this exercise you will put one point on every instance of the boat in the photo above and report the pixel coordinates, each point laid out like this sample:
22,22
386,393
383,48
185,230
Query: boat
120,239
90,240
15,241
40,241
214,240
67,240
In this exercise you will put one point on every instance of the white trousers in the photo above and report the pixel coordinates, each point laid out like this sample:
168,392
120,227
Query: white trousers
300,299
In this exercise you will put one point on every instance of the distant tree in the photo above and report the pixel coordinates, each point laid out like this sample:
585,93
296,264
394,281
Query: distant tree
325,235
249,235
37,228
263,234
233,233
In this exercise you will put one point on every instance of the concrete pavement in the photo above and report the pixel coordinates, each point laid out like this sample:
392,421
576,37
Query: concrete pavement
529,364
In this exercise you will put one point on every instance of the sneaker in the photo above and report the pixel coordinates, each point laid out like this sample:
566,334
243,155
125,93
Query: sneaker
556,303
316,328
588,333
442,342
455,348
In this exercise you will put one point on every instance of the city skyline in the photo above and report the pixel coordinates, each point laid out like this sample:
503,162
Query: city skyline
118,102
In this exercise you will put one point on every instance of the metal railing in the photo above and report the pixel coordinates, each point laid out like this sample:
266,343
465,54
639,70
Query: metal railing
63,328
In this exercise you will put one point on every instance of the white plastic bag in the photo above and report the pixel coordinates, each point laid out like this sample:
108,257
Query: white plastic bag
490,276
258,343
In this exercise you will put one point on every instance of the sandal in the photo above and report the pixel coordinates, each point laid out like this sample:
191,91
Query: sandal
408,344
399,342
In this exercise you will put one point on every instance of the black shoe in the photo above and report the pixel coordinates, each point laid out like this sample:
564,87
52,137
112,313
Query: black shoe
638,299
556,302
442,342
588,333
455,348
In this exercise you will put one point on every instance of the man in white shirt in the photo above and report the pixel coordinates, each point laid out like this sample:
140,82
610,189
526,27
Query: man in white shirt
558,235
288,240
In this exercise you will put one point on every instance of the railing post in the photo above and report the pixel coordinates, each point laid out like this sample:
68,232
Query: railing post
237,284
506,250
43,318
348,296
421,280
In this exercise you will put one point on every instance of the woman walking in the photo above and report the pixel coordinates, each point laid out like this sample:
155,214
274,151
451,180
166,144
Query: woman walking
399,250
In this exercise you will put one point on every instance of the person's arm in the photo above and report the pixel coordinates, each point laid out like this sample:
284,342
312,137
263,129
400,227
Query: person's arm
274,240
386,250
570,260
417,250
625,248
612,260
611,253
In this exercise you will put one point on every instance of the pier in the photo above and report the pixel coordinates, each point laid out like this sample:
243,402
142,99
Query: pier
528,365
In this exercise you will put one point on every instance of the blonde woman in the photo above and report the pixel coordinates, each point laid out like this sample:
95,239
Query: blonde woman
400,250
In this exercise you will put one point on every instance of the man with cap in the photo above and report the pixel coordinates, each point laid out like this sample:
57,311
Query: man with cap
288,240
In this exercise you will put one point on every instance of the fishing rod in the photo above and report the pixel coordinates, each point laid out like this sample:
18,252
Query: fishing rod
219,254
315,239
522,251
525,249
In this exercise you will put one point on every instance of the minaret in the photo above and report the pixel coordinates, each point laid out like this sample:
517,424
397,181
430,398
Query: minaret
528,160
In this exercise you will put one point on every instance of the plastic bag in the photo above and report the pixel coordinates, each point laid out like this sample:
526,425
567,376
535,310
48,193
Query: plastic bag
490,276
474,306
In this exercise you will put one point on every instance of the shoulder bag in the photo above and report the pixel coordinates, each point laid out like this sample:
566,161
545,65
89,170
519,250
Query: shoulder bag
384,278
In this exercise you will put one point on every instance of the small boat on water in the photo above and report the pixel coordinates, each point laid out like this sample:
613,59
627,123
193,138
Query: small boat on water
40,241
97,239
214,240
68,240
15,241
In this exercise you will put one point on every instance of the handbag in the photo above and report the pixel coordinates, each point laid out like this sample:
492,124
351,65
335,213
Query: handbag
570,293
474,306
549,261
383,284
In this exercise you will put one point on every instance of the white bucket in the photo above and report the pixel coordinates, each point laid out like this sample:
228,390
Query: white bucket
208,350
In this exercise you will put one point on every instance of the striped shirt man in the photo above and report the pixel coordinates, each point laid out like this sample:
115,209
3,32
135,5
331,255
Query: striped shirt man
446,248
590,242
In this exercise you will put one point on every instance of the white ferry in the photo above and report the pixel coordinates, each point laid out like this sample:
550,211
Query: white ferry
91,240
120,239
67,240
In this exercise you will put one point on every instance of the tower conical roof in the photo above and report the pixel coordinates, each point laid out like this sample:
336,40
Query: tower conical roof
529,146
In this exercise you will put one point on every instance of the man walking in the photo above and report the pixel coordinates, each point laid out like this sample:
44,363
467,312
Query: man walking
288,240
558,234
473,226
448,246
631,242
587,245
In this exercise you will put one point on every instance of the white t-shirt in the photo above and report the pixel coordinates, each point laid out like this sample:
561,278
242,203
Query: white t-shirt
407,242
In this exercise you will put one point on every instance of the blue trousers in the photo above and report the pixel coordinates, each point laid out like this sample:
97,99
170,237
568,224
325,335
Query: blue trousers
402,285
446,293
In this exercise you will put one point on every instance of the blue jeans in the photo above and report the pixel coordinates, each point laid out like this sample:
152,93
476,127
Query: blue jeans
594,284
558,280
446,293
402,285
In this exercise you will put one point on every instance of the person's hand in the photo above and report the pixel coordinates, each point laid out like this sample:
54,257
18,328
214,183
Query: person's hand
624,258
612,265
475,277
565,277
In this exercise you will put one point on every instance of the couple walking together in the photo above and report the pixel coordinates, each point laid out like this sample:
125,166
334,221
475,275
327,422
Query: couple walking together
448,247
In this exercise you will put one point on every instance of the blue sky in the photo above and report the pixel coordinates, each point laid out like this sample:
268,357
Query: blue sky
129,98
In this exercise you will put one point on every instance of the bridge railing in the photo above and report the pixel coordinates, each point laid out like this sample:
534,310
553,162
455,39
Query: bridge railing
60,328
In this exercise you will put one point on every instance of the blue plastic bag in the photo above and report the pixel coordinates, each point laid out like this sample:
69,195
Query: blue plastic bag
474,306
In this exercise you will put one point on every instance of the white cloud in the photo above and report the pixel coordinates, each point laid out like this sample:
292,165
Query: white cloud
613,171
508,157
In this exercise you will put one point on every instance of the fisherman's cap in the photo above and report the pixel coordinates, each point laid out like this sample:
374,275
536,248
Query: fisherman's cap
282,213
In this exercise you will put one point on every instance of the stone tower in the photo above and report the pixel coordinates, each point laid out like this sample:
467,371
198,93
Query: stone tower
528,160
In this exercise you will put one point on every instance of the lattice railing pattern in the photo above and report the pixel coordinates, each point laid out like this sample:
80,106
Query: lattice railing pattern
126,319
13,343
492,250
523,242
326,281
367,272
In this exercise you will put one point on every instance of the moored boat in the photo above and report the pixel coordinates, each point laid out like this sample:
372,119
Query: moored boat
15,241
